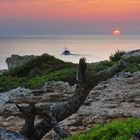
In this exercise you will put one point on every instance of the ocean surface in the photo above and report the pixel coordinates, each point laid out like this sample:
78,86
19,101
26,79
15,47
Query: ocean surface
94,48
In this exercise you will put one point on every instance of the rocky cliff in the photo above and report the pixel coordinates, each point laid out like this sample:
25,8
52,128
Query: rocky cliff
16,60
118,97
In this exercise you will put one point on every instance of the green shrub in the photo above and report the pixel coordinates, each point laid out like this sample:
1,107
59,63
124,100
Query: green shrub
68,75
132,67
96,67
116,130
8,82
39,66
133,60
17,77
37,71
116,56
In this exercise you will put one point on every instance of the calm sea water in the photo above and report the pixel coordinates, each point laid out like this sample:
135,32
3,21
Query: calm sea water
94,48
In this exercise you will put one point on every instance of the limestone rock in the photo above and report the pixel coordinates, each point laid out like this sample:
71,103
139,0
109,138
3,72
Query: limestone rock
132,56
118,97
16,60
58,86
7,96
10,135
43,98
135,53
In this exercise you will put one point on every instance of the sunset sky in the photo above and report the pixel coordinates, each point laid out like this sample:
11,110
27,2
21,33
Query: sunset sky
47,17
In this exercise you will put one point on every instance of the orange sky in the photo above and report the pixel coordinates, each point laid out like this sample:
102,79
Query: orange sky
124,11
68,8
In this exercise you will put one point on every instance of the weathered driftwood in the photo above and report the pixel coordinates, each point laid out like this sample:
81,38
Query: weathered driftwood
29,116
62,111
61,133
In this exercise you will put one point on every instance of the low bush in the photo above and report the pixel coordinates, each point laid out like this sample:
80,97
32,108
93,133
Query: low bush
96,67
17,77
48,68
132,67
116,56
39,66
7,82
116,130
68,75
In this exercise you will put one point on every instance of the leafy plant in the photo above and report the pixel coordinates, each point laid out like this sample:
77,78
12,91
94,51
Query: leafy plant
132,67
36,72
60,75
116,130
116,56
39,66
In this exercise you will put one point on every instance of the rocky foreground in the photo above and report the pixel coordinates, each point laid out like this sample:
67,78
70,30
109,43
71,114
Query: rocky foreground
118,97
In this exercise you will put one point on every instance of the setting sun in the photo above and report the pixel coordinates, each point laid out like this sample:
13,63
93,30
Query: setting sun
116,32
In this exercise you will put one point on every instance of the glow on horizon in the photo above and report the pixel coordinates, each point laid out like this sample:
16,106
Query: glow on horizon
86,11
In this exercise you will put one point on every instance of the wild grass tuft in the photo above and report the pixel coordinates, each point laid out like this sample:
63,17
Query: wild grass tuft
116,130
116,56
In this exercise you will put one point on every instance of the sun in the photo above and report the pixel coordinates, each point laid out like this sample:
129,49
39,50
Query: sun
116,32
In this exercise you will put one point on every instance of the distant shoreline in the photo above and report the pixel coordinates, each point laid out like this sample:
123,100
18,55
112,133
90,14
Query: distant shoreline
94,47
60,36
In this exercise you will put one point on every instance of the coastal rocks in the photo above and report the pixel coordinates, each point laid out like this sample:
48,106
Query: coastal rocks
43,98
16,60
55,92
7,96
10,135
58,86
132,56
118,97
135,53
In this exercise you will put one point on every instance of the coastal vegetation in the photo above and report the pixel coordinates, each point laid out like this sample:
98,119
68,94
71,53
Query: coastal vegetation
122,129
41,65
37,71
116,56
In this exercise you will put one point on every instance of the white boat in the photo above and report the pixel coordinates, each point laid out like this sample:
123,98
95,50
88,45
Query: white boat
66,52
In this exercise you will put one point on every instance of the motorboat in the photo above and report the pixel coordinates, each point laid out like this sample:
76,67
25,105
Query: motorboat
66,52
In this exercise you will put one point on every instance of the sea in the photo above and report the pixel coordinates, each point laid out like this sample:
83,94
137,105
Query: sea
93,47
